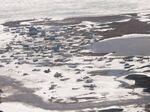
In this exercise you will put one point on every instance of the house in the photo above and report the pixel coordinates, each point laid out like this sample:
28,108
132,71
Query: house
33,31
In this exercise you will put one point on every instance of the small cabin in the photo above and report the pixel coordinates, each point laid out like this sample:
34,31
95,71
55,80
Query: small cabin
33,31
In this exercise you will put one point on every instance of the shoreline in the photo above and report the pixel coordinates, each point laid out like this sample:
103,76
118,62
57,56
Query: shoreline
75,20
119,25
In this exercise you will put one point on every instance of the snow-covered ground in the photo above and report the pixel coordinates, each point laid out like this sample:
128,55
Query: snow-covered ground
45,80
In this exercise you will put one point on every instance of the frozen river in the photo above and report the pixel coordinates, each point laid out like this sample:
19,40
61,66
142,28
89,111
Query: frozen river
21,9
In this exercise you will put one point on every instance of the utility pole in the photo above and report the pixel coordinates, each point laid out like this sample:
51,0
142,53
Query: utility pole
1,95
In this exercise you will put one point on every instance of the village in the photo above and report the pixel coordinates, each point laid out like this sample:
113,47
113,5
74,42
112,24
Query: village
55,62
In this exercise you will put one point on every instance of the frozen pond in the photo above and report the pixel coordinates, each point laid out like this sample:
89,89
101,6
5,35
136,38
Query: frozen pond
134,44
